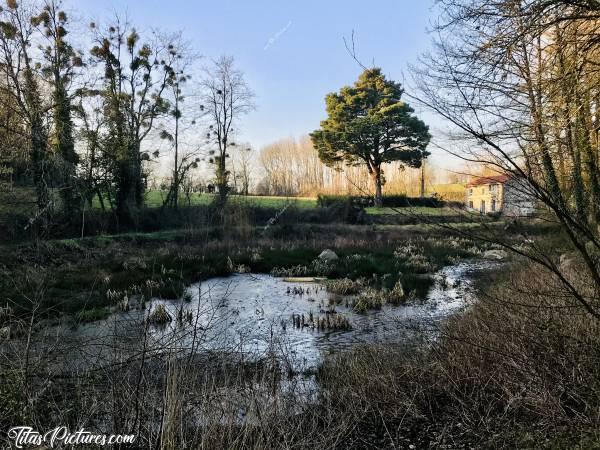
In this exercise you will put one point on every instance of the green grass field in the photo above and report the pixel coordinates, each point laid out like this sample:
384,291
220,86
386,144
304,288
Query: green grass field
155,199
23,201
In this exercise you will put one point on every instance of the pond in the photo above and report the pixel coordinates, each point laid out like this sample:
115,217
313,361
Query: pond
258,315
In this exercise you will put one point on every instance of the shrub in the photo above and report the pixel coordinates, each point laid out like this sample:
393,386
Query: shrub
519,369
343,208
402,201
389,200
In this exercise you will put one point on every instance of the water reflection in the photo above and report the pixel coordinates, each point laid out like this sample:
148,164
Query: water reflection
253,314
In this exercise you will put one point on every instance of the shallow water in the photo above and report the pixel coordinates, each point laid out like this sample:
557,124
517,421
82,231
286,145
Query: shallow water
252,314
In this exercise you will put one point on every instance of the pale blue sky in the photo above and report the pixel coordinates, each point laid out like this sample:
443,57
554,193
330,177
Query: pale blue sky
292,53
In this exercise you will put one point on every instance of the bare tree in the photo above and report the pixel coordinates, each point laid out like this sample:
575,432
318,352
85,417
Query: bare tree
519,84
181,116
226,98
242,169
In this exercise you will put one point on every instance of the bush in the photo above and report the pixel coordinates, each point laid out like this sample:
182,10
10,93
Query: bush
389,201
343,208
325,201
402,201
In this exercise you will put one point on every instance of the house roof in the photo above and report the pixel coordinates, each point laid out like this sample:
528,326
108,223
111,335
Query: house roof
501,179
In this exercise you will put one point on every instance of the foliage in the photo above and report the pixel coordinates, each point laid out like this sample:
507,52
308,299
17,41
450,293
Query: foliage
369,124
61,63
136,75
388,200
22,83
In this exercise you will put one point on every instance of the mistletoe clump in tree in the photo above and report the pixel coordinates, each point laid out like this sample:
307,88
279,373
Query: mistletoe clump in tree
135,79
61,61
368,124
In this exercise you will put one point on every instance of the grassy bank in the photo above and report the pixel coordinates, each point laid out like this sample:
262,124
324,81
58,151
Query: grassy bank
21,200
200,211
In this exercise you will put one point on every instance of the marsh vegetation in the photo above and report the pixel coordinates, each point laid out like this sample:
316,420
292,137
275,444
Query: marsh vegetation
247,359
153,284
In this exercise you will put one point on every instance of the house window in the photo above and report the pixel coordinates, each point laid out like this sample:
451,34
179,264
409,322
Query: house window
493,205
471,191
482,207
483,191
493,188
471,204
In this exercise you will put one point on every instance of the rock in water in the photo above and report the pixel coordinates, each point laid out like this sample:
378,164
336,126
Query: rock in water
495,254
328,255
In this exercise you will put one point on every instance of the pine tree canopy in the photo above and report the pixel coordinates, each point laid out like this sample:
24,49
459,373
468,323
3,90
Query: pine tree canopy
368,123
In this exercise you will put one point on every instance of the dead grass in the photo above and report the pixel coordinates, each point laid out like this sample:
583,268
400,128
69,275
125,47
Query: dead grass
521,369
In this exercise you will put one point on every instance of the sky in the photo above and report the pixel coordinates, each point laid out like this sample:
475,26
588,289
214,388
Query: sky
291,52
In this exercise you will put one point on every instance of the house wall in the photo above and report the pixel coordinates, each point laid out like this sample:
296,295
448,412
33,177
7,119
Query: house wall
491,195
509,198
518,202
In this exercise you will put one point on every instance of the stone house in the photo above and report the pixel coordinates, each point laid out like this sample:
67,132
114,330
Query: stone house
503,194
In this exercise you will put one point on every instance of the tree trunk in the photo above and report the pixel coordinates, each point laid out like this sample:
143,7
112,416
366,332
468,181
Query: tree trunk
38,157
378,192
66,148
590,159
176,177
422,179
222,177
130,190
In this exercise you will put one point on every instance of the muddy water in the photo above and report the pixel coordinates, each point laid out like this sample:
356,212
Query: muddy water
252,314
